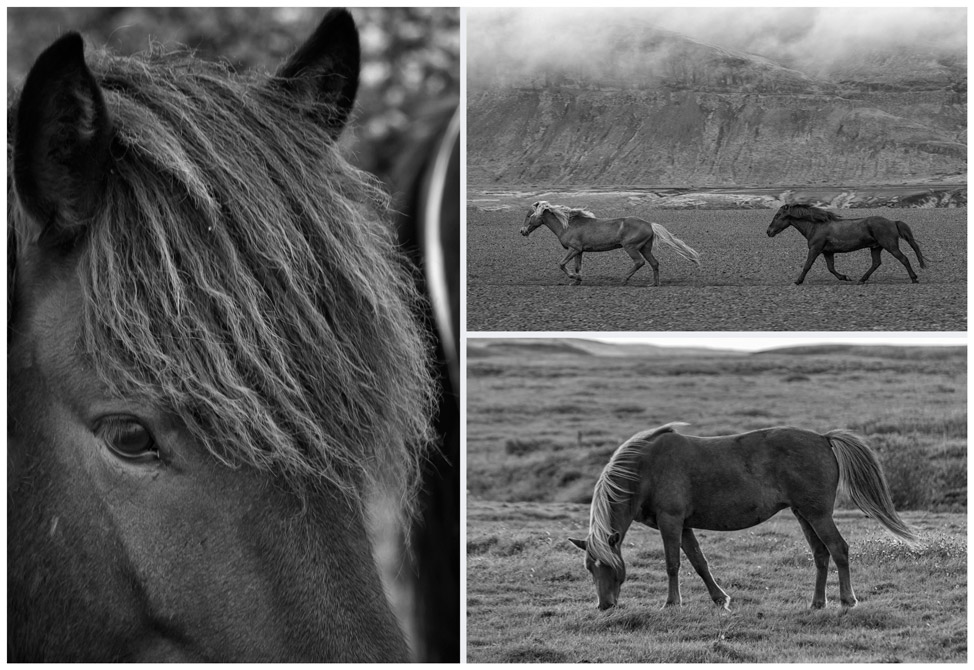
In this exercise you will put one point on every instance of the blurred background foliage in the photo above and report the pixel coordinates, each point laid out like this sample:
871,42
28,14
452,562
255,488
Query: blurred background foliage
410,57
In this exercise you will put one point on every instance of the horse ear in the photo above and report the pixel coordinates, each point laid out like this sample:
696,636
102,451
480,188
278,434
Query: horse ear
62,141
324,71
614,539
581,544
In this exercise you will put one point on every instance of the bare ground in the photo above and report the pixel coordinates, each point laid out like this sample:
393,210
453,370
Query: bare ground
744,280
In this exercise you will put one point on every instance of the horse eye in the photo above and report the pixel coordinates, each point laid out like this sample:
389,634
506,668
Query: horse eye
128,439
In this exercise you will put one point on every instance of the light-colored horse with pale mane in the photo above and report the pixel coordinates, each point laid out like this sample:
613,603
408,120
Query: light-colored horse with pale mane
579,230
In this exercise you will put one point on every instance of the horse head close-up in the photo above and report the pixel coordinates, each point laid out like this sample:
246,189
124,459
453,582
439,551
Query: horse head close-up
218,361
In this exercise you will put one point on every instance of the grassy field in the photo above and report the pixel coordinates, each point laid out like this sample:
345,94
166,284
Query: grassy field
743,282
543,419
530,600
541,423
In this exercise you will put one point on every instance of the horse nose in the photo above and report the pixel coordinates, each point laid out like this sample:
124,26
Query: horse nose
524,231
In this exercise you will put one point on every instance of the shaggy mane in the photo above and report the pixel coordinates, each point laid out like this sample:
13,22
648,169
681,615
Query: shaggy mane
242,275
617,485
810,213
563,213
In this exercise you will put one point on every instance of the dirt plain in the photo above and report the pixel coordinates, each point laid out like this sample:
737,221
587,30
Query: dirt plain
744,280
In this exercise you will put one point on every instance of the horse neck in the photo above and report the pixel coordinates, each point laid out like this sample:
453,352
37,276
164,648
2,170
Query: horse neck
554,225
803,226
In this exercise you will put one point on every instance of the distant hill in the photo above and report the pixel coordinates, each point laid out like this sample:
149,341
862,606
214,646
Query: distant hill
652,107
872,351
530,347
478,348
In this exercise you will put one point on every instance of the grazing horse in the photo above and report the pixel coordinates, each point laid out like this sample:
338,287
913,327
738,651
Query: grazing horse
578,230
676,483
829,234
216,363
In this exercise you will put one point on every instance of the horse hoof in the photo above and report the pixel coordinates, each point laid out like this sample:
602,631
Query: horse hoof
850,603
817,605
915,281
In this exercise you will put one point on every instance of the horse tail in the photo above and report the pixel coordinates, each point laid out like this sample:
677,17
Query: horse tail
907,234
861,475
681,247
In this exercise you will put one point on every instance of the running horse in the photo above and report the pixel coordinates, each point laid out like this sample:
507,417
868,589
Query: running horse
578,231
216,361
829,234
675,483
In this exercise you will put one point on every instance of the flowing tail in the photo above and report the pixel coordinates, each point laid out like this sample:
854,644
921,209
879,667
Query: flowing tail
907,234
862,477
681,247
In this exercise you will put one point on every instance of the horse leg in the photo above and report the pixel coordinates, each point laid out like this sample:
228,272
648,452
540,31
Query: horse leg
901,257
813,253
637,262
671,529
646,251
877,261
830,262
828,534
821,553
578,268
699,563
572,253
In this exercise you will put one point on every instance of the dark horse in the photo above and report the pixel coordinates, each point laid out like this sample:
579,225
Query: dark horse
676,483
215,360
829,234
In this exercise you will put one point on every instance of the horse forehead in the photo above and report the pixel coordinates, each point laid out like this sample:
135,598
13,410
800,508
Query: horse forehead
48,341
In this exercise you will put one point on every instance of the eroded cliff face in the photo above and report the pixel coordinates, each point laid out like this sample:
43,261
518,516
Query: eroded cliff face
693,115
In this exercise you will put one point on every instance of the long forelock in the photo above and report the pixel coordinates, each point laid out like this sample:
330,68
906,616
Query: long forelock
244,276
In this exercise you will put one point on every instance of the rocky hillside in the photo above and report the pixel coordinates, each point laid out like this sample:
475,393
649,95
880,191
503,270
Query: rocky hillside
652,107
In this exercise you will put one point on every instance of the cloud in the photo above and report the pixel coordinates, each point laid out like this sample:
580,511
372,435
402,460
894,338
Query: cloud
811,39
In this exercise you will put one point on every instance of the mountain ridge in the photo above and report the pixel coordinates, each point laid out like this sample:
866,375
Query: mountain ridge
693,113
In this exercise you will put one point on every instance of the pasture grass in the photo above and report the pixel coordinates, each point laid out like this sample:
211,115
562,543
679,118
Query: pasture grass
540,428
530,600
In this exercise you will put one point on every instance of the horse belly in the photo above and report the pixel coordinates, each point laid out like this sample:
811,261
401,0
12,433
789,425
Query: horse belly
735,510
598,245
843,246
849,238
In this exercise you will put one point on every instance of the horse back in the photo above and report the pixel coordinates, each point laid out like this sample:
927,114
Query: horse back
606,234
736,481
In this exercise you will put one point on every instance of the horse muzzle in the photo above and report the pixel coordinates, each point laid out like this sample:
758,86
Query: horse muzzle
525,231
